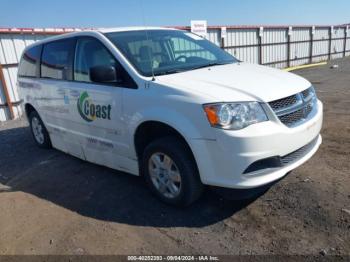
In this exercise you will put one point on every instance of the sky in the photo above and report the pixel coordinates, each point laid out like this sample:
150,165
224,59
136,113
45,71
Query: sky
114,13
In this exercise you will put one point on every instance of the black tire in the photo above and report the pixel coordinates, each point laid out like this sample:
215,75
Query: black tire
46,142
191,186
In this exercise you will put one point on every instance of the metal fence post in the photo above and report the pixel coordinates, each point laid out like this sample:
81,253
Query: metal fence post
345,38
222,43
7,95
330,42
222,37
289,32
260,32
312,32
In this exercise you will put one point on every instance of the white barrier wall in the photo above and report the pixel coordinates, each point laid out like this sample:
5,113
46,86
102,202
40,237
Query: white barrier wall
277,46
284,46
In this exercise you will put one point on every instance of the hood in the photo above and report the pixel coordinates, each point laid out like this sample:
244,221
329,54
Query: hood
238,82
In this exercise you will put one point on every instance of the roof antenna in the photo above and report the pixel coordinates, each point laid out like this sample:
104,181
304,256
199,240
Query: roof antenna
150,55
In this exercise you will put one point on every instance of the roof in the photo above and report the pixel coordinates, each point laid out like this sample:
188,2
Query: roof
58,31
132,28
90,32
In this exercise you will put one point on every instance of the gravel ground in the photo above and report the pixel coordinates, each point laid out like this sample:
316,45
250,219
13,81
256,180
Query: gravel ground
52,203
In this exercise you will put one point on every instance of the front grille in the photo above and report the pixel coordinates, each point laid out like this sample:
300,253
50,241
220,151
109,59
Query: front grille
292,110
306,93
284,102
308,109
293,118
299,153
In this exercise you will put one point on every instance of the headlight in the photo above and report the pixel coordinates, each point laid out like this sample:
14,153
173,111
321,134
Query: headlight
234,115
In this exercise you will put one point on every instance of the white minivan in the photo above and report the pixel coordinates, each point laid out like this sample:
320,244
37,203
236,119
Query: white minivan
170,106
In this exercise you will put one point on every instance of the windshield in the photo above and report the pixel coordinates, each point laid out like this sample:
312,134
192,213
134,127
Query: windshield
168,51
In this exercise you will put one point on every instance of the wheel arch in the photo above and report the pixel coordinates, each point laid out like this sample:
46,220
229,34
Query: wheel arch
173,120
150,130
28,108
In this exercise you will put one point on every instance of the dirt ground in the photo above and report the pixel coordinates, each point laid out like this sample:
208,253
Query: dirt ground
52,203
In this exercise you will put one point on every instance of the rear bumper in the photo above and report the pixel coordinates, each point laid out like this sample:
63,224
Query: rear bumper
223,162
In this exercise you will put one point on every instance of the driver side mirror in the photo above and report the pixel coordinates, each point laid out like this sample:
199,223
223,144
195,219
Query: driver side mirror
103,74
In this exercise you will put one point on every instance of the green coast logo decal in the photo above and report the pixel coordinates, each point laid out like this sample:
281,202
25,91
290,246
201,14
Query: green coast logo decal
90,111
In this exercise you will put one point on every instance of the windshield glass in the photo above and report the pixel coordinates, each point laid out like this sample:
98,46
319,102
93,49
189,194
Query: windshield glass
168,51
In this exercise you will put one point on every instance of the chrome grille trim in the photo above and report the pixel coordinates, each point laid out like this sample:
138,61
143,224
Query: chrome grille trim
293,110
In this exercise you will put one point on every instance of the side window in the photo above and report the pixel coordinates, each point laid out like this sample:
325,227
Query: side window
28,66
183,47
89,53
57,59
143,50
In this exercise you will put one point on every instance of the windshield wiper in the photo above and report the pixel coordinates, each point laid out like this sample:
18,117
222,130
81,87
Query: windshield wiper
171,71
179,70
210,64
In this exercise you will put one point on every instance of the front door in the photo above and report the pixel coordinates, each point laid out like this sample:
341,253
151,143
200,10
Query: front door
95,108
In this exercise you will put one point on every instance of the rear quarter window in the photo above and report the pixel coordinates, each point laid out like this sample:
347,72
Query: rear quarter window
57,59
29,65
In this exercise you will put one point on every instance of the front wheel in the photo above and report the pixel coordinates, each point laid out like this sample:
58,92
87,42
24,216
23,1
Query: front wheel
39,131
171,172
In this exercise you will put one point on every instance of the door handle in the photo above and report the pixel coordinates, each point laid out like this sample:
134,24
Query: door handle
74,93
61,91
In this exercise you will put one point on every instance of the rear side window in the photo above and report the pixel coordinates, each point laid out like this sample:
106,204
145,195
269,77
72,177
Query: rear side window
57,59
29,65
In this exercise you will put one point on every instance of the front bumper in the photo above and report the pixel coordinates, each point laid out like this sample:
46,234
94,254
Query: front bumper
223,161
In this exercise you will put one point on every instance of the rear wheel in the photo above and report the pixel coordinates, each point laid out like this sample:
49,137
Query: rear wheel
171,172
39,131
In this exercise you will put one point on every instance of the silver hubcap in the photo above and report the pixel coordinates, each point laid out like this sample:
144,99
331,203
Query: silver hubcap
37,130
165,175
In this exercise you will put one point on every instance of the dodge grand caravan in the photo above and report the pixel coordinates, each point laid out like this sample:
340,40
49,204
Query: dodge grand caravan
170,106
